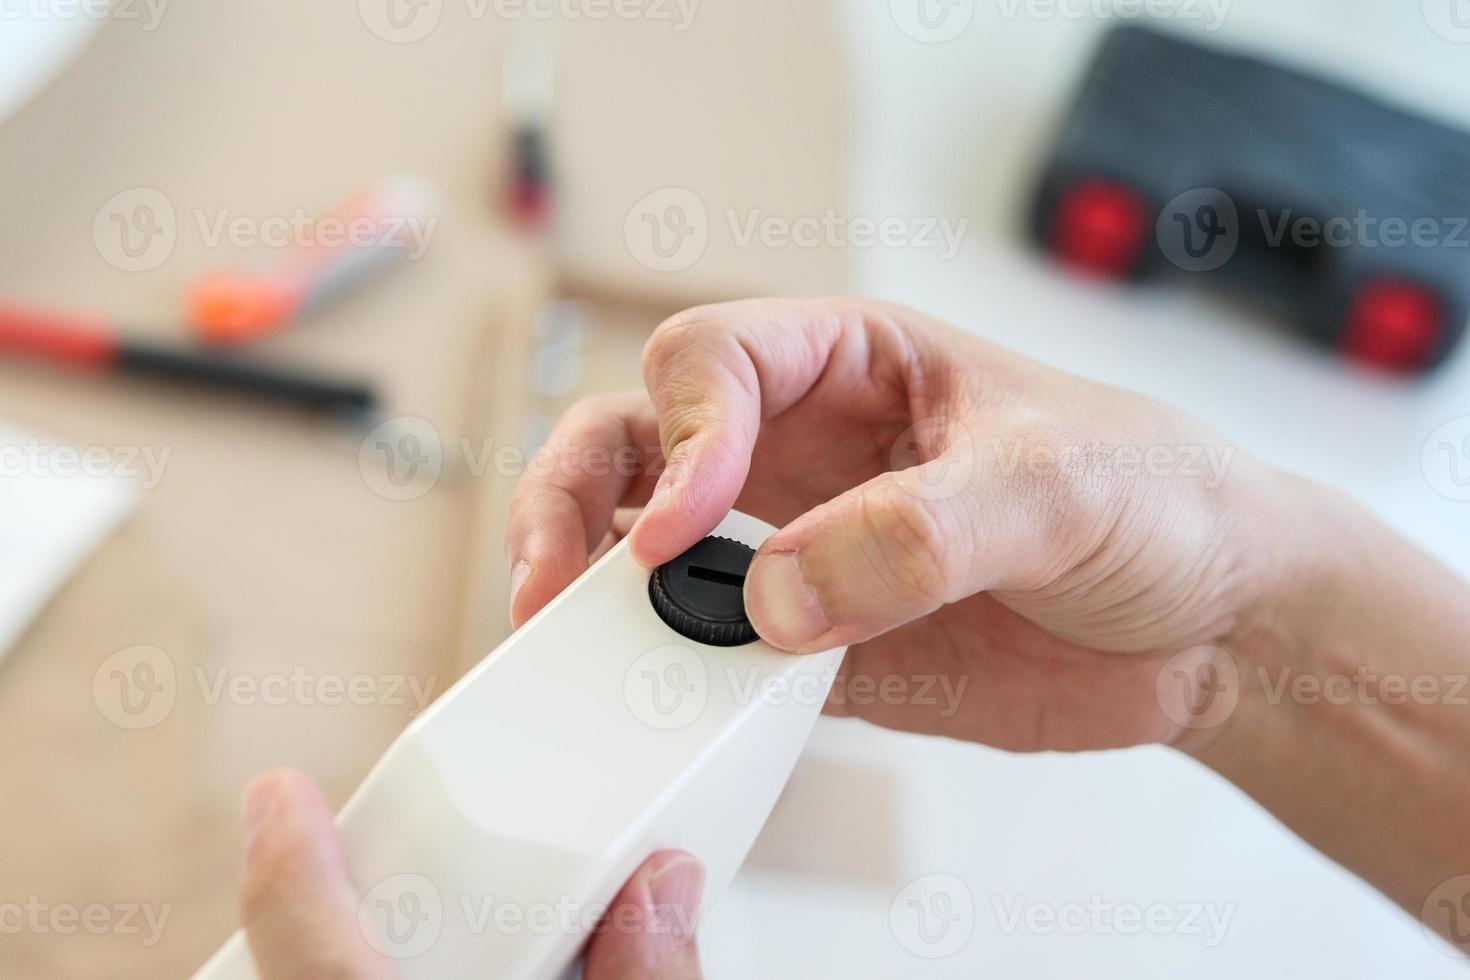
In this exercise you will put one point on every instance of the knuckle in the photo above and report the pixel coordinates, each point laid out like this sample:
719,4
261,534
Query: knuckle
1070,498
591,439
912,544
690,329
528,498
594,421
694,367
533,510
1076,483
684,419
520,509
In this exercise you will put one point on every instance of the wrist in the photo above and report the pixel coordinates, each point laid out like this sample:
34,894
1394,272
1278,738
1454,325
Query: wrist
1293,559
1314,579
1299,637
1350,694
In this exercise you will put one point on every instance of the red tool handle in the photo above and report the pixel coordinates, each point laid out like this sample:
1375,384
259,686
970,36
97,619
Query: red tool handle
84,343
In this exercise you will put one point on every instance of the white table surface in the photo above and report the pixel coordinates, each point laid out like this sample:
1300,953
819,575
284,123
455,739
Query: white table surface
952,129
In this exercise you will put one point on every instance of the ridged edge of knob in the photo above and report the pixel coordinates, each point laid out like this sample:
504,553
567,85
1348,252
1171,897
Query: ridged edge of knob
692,627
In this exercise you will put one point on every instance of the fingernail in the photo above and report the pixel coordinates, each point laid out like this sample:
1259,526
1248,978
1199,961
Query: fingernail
782,606
675,892
261,800
519,572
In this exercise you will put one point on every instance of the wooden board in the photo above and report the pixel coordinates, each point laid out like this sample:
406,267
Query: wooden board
263,573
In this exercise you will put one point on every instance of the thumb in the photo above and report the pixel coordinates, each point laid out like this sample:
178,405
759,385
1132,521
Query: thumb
890,551
648,933
298,905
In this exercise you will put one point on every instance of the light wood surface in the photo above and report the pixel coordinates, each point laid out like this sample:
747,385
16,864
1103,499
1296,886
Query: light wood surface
264,554
743,117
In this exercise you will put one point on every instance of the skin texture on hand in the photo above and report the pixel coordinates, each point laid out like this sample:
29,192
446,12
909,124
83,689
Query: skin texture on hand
1081,567
947,509
1351,719
300,908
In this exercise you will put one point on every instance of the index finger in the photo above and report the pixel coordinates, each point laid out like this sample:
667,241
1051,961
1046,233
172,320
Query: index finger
714,374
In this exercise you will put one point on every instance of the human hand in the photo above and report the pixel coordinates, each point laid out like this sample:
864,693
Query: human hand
1036,543
1076,566
300,907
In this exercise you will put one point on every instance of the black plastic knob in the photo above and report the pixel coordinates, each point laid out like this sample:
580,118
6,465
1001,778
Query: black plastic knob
701,594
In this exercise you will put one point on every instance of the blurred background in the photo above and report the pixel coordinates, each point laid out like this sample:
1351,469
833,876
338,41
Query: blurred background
289,292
